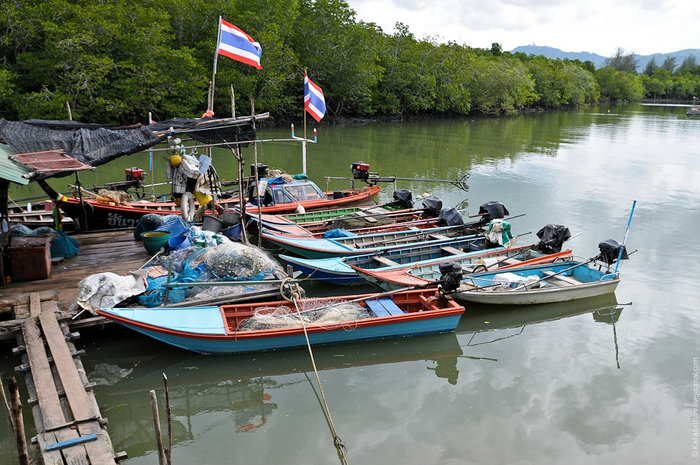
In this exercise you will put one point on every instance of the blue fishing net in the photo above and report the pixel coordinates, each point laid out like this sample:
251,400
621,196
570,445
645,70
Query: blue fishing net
338,233
225,262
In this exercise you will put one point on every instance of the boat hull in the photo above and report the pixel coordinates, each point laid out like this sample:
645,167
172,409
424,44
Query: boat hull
544,296
554,283
213,329
342,335
93,215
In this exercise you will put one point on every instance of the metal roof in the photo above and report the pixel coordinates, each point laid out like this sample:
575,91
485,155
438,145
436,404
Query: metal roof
49,163
9,170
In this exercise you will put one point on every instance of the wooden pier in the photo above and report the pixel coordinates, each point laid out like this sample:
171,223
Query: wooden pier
70,428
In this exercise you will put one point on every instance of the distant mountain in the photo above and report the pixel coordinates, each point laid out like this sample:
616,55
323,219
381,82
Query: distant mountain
599,61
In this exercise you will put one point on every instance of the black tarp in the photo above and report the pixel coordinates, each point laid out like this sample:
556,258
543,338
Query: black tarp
96,144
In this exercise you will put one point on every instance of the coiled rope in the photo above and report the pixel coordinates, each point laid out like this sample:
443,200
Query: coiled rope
291,292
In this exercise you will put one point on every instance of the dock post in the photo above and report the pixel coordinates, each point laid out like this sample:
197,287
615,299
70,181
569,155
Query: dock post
18,422
156,424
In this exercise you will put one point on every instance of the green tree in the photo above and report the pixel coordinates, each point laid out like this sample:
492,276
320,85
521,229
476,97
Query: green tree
650,67
669,64
622,62
500,86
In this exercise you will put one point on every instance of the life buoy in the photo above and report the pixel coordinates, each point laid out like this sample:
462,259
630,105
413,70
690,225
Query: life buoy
187,207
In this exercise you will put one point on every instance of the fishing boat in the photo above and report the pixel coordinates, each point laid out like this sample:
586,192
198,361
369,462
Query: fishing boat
359,221
224,329
539,284
427,272
367,243
341,270
98,213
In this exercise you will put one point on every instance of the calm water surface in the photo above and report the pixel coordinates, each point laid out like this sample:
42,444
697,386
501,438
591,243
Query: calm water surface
607,381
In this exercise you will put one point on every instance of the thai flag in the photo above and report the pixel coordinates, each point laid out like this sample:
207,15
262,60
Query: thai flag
314,102
238,45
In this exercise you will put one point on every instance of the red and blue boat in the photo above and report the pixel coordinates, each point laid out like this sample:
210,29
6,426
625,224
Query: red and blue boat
223,329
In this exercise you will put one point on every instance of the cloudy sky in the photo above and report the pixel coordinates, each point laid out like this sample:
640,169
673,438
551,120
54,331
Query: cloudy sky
642,27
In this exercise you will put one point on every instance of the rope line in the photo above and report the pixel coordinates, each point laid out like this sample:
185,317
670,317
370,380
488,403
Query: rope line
290,291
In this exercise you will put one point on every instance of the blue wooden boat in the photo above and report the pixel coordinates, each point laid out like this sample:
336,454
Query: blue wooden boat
429,272
366,243
540,284
341,270
221,329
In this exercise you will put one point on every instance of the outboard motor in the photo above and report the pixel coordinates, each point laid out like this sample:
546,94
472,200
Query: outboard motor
552,238
610,250
403,198
451,216
492,211
450,276
135,174
259,168
432,206
360,170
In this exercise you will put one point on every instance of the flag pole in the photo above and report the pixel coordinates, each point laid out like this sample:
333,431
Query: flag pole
210,97
303,142
150,164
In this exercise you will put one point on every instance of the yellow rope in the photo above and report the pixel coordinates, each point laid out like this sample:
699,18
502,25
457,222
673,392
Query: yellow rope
290,291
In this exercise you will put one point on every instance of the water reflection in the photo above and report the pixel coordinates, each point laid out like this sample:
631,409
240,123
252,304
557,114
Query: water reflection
241,393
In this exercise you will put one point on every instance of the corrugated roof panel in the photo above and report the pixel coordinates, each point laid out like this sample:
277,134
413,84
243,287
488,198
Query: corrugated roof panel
9,170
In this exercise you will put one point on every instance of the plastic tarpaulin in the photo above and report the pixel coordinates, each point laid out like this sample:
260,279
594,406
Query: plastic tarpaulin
91,144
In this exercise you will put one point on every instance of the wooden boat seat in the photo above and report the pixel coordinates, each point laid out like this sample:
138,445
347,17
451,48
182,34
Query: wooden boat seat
365,216
568,280
438,236
451,250
385,261
384,307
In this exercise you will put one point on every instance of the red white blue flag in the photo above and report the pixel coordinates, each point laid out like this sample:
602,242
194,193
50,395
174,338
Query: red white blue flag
236,44
314,102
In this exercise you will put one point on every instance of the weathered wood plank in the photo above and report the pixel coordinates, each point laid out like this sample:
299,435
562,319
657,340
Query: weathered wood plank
51,457
100,451
41,372
75,455
67,371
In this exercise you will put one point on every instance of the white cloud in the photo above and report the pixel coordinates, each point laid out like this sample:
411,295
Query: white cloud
641,27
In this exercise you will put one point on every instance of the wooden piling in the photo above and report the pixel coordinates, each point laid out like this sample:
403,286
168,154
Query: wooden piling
156,425
18,423
168,411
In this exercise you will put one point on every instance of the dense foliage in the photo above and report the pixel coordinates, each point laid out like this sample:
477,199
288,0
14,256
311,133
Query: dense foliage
113,61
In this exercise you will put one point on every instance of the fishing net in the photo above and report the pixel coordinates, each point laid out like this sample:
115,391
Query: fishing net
312,312
229,261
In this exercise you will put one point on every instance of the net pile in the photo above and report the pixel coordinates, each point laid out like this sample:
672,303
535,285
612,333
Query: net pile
315,312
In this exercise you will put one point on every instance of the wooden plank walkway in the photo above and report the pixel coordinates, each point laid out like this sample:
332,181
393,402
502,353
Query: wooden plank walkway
63,405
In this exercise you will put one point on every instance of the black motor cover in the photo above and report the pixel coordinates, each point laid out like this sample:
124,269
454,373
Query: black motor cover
552,237
610,250
491,211
403,198
451,216
432,205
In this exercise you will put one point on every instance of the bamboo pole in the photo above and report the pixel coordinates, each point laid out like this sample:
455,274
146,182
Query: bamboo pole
168,410
18,422
7,405
156,424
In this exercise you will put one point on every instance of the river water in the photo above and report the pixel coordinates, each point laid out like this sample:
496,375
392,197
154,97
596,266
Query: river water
609,380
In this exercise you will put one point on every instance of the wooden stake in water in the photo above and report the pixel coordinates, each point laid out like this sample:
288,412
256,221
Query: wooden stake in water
18,422
169,450
156,424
